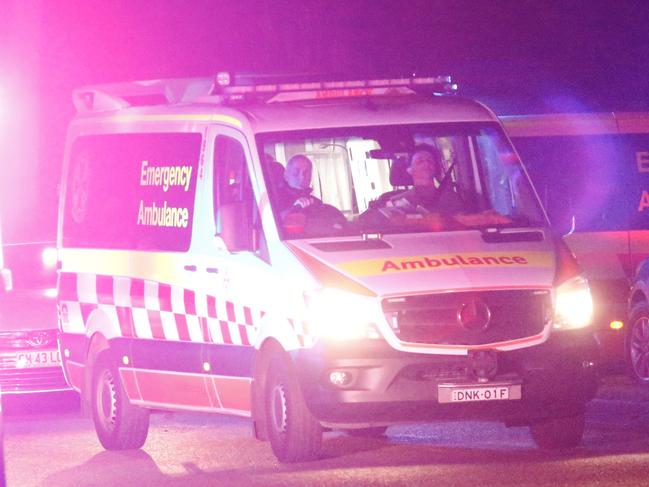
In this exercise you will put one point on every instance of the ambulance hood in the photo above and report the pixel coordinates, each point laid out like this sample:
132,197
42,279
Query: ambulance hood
432,262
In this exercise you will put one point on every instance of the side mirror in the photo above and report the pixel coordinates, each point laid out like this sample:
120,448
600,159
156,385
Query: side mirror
565,226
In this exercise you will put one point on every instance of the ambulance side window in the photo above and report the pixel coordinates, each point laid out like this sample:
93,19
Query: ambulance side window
235,212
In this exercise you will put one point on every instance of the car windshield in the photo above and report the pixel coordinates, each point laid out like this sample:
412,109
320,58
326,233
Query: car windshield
396,179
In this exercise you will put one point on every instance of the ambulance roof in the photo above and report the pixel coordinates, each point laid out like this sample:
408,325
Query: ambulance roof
281,107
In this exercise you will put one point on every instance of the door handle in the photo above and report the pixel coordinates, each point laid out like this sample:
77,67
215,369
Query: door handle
212,270
190,268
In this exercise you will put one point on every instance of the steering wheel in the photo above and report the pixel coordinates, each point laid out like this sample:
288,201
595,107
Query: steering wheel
319,219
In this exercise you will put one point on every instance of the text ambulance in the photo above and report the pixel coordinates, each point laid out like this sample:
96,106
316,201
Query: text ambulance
591,171
185,284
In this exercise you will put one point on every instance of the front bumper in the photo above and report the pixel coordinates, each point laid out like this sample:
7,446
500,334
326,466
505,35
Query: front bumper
556,378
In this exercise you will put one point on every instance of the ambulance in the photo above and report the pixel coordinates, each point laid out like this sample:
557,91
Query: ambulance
591,171
183,285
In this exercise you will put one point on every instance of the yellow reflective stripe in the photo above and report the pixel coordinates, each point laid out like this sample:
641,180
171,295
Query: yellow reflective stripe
153,266
447,261
191,117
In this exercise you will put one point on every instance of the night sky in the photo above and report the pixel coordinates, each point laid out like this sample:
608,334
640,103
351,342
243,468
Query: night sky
516,56
522,51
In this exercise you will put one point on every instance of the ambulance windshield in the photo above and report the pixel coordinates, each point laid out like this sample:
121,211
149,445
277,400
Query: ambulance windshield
396,179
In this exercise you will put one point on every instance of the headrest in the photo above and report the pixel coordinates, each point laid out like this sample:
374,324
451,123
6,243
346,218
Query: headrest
275,172
399,175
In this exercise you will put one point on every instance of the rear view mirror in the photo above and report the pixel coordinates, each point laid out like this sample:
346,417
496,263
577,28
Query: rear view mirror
565,225
379,154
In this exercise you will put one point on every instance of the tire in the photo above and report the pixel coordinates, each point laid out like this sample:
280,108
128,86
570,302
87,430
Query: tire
374,432
637,343
558,433
294,433
119,424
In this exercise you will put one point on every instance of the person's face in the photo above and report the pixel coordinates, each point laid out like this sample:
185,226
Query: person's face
423,168
298,173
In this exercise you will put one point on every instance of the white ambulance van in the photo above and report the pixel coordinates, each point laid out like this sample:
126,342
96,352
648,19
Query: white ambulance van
186,285
591,171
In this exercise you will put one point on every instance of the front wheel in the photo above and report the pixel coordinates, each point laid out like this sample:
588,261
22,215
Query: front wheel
558,433
294,433
637,343
119,424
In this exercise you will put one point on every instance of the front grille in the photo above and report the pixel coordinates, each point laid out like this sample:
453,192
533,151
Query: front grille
433,318
28,339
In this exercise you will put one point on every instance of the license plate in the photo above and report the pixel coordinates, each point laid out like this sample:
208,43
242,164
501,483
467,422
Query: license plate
40,358
464,393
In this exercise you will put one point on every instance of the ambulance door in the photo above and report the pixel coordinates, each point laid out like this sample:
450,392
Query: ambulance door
157,178
237,264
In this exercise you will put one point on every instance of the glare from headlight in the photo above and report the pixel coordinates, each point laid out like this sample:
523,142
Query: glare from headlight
573,305
340,315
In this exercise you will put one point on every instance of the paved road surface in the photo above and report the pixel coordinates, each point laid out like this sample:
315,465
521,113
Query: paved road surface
60,449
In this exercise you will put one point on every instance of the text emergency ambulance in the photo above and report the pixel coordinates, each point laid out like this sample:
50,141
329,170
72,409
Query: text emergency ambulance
184,286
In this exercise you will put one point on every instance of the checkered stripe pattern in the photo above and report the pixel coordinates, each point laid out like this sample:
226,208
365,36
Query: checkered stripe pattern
148,309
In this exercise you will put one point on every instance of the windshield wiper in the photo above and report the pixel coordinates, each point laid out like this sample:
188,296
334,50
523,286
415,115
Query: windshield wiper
508,234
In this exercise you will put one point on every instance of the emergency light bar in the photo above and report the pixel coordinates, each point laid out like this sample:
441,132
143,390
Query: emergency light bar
224,88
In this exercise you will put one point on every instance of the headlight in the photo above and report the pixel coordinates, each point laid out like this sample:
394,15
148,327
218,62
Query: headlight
573,305
341,315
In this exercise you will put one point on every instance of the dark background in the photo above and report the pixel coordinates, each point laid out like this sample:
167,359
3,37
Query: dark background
516,56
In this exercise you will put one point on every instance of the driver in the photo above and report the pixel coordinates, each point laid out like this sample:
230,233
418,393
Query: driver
297,190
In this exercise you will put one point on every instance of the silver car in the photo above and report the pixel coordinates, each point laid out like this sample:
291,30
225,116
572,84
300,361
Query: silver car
29,354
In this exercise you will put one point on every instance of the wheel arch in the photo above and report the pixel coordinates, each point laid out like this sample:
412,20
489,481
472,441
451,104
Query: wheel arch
100,329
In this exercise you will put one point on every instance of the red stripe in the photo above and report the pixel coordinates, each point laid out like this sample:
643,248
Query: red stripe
125,318
234,393
244,335
155,321
211,392
104,286
229,306
176,389
247,316
137,293
164,295
86,309
225,331
130,383
211,307
205,329
181,325
189,297
487,346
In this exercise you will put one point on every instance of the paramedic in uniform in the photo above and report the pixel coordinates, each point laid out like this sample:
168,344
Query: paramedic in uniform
296,189
298,209
425,196
433,198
